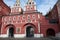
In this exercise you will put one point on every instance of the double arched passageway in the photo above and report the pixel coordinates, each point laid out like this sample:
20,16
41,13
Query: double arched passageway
30,28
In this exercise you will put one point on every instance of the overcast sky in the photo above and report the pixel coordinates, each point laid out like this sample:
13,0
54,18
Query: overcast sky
42,5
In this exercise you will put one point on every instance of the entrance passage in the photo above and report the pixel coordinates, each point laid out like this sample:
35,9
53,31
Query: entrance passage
11,32
29,31
50,32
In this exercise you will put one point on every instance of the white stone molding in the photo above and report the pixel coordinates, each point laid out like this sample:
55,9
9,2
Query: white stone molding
39,27
38,16
21,35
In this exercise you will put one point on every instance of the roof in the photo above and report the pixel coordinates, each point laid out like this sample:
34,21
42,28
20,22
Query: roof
58,1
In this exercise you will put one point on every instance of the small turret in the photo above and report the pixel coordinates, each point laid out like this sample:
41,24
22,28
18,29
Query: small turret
31,6
17,3
16,8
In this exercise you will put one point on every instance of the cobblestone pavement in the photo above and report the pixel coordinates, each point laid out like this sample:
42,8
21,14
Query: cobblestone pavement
49,38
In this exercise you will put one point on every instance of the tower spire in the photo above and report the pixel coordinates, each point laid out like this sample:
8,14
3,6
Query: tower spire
17,3
30,0
31,6
16,8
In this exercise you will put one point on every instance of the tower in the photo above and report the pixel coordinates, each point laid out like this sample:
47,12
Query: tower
16,9
31,6
58,8
17,3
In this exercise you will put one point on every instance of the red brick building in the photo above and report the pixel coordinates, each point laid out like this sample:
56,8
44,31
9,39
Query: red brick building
28,23
54,15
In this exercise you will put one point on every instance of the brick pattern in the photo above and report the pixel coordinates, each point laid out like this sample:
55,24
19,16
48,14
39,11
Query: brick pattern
22,20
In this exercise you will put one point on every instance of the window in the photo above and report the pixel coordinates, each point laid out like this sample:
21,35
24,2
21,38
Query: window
53,21
29,2
32,2
16,4
47,17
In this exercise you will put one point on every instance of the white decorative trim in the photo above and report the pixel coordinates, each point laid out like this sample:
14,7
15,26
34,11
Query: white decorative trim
39,27
38,16
57,34
3,35
21,35
35,7
38,35
11,10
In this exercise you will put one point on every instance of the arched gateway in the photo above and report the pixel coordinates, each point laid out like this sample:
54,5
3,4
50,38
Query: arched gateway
50,32
10,30
29,31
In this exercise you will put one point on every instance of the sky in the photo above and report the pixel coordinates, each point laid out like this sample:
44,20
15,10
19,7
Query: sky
43,6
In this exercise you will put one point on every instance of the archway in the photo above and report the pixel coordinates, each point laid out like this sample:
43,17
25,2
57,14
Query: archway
29,31
50,32
11,32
